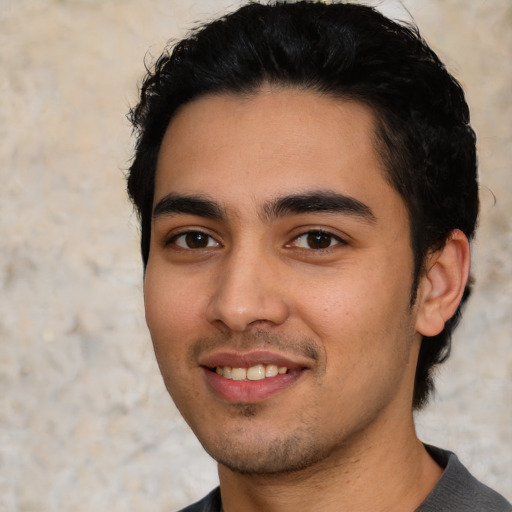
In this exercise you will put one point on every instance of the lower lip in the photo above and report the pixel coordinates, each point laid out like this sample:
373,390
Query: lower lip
249,391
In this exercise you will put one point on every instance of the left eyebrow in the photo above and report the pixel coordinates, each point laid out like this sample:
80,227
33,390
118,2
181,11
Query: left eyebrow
173,204
318,201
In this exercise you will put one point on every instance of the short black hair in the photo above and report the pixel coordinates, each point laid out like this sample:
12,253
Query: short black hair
346,51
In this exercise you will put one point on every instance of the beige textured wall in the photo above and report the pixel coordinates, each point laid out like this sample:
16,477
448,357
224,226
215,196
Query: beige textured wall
85,422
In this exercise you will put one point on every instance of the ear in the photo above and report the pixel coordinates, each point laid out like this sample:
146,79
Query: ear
442,285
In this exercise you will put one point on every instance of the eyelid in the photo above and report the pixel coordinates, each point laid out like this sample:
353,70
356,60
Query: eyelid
336,237
172,237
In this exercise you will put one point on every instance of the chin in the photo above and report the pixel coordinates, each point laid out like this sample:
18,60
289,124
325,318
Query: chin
269,456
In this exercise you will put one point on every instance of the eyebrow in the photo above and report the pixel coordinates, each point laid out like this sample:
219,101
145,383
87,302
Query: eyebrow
293,204
318,201
173,204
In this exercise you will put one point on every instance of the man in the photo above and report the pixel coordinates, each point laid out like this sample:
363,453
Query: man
305,176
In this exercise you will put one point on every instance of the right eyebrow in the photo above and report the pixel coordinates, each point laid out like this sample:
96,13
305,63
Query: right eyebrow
174,204
318,201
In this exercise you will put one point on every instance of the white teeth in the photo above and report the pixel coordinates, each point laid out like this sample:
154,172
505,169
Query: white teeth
257,372
239,373
271,370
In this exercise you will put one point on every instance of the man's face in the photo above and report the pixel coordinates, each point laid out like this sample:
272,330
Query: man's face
279,277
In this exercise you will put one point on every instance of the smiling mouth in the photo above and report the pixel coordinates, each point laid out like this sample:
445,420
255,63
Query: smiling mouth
257,372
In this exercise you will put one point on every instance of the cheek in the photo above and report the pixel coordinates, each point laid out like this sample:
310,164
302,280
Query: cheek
170,319
335,303
172,303
355,310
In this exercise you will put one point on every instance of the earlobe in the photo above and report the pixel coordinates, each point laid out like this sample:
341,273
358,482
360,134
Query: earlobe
442,286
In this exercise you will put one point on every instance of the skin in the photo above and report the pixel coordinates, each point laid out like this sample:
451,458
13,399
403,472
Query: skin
261,281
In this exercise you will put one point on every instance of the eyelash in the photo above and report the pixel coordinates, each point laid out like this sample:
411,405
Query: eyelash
308,236
319,233
195,232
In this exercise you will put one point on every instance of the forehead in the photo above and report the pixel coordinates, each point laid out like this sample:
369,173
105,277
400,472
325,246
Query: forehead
269,144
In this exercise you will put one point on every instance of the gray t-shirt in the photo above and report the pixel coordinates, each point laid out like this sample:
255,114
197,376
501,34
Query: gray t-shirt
456,491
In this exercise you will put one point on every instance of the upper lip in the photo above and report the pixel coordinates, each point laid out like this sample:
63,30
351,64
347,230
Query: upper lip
252,358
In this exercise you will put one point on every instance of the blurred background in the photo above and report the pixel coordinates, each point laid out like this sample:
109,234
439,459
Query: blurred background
85,421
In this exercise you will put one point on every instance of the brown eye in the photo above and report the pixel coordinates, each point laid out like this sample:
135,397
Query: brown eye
194,240
316,240
319,240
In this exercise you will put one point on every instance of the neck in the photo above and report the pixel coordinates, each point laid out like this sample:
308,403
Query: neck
393,472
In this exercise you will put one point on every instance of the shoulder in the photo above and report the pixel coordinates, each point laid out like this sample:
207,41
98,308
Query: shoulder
458,490
210,503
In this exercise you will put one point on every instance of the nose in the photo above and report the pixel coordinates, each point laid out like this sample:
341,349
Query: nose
247,294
